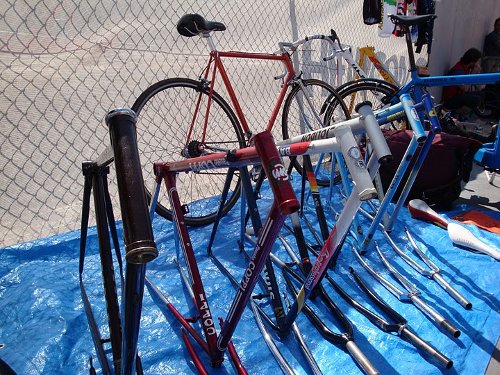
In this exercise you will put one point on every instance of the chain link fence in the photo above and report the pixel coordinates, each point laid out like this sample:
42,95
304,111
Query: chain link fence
65,63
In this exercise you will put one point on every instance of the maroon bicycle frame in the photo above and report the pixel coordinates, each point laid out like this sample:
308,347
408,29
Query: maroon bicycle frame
285,202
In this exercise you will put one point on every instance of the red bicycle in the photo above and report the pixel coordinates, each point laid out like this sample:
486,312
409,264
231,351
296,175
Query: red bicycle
181,118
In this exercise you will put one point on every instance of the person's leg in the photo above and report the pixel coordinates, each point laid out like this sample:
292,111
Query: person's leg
469,99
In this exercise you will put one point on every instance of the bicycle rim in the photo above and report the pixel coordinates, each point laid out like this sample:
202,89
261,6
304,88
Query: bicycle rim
164,116
367,89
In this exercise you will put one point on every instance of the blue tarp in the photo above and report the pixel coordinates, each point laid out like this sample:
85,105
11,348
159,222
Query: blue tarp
43,327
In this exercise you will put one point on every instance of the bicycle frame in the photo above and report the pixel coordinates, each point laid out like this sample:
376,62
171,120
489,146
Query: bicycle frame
124,321
215,65
425,109
285,203
417,87
366,52
405,106
369,52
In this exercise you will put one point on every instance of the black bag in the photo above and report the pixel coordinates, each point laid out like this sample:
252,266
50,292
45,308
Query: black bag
372,12
439,181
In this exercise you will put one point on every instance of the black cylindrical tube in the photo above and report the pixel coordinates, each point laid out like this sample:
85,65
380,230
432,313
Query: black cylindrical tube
132,308
138,235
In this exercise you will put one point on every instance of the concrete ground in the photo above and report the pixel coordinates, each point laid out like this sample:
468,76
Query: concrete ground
479,193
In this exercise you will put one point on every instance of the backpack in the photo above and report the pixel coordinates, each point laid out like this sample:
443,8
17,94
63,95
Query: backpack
439,181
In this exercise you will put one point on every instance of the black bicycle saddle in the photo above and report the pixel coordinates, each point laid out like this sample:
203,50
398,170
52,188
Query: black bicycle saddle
193,24
411,20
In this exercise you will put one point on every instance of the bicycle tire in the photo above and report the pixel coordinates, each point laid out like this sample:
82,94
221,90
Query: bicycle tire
318,92
367,89
164,112
376,91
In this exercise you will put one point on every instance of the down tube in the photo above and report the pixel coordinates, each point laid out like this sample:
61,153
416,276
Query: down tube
398,177
263,248
411,178
435,128
329,251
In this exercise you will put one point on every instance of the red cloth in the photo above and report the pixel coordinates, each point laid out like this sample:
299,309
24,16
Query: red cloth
451,91
479,219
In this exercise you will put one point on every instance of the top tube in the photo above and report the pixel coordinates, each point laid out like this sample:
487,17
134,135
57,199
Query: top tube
451,80
438,80
288,47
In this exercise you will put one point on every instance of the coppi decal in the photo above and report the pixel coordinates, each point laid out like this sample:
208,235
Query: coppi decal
279,172
414,114
354,153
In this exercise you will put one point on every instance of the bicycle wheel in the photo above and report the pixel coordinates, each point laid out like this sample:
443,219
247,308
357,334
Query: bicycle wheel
376,91
164,114
304,111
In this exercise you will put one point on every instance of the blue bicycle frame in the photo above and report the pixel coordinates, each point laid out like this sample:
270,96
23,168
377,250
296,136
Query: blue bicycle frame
417,88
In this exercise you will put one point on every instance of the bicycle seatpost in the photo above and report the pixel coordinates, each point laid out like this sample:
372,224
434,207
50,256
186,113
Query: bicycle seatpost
405,22
276,173
409,46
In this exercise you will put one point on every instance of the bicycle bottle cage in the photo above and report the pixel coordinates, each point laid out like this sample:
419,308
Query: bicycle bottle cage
193,24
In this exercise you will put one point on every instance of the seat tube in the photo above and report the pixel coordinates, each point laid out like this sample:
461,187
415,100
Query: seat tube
413,118
276,173
355,163
429,108
389,194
